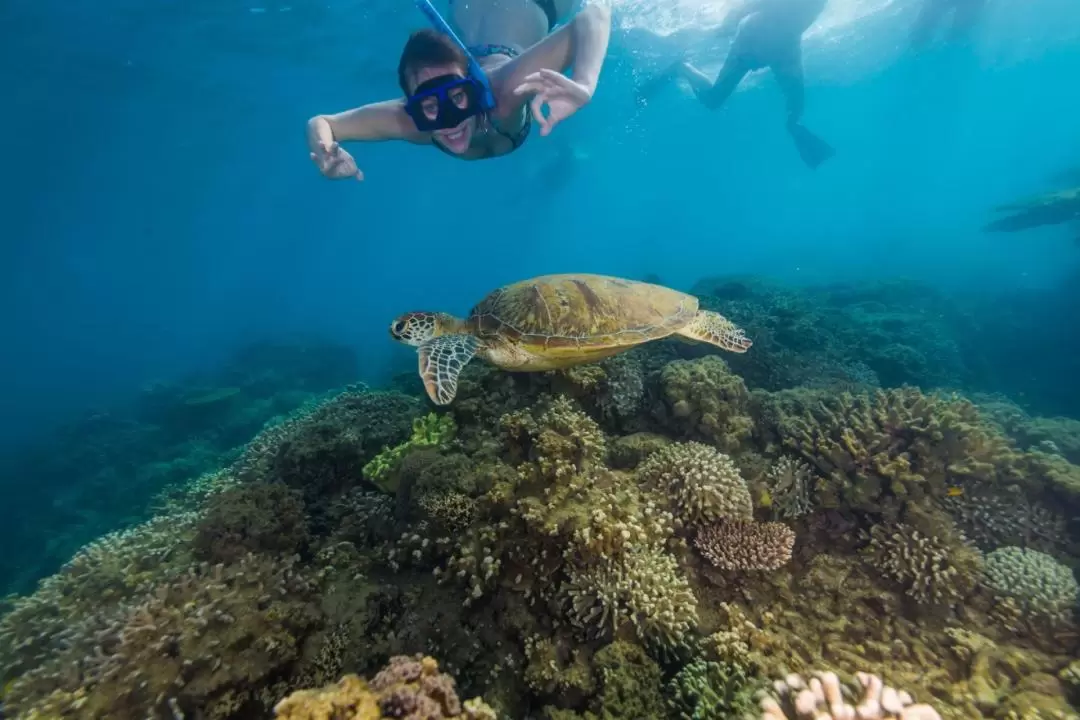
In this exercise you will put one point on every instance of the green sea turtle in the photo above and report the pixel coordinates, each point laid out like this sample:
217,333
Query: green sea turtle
556,321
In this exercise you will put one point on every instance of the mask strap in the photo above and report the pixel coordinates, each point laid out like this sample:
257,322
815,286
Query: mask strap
487,97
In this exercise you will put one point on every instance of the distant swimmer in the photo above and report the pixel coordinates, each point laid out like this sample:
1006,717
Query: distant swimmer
470,95
768,33
933,13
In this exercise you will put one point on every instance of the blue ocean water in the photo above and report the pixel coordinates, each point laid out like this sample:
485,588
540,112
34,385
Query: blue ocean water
160,207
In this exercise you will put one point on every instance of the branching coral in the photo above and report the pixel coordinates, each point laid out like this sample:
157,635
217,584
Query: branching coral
790,483
253,517
746,545
406,688
822,698
994,516
644,588
701,484
899,443
203,640
931,570
704,400
1043,586
703,690
112,569
322,449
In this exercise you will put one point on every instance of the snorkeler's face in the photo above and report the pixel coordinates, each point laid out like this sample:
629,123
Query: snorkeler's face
455,139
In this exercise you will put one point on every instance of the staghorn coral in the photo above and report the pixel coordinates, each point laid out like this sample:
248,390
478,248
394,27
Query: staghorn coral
897,444
822,698
930,569
203,640
700,484
790,483
112,569
1043,586
643,588
703,690
408,687
703,399
449,509
994,516
746,545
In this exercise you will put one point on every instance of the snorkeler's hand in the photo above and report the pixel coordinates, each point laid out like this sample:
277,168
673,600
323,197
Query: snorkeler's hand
563,97
335,163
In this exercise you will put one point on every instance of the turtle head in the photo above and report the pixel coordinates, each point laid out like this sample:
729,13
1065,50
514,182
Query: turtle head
416,328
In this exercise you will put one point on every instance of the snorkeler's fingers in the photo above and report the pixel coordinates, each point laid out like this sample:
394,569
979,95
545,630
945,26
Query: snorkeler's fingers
537,107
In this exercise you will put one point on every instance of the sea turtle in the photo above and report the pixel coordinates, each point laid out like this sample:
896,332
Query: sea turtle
556,321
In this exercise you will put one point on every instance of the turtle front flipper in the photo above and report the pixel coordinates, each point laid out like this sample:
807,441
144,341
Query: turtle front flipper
715,329
441,361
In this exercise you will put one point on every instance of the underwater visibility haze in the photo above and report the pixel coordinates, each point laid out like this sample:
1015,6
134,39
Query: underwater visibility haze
760,411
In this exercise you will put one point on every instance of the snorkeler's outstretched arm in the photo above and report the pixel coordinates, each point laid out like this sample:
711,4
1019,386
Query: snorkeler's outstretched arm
538,72
385,120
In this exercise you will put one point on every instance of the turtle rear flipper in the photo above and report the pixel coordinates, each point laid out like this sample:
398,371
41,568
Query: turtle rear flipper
715,329
441,361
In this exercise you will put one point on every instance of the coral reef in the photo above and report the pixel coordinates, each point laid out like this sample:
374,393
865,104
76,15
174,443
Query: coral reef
746,545
701,485
639,538
408,687
1041,584
822,697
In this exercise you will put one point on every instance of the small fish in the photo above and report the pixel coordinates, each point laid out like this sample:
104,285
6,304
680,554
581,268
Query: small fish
954,492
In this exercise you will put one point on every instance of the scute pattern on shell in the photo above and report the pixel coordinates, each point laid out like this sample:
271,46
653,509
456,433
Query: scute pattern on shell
582,311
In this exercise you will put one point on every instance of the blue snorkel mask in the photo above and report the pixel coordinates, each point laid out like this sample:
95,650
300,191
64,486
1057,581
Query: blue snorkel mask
444,102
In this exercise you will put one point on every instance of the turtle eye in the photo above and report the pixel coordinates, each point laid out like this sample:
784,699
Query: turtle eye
398,327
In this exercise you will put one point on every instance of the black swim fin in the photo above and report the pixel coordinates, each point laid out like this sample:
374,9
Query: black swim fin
813,150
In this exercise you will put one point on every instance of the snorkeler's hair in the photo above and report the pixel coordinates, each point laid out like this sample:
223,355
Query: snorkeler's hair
425,48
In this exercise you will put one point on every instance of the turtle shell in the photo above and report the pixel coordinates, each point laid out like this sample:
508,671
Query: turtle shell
581,313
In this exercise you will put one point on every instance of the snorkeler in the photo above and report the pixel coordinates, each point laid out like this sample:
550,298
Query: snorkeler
470,95
932,14
768,33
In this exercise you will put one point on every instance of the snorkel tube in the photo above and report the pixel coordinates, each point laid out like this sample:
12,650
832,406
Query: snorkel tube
487,97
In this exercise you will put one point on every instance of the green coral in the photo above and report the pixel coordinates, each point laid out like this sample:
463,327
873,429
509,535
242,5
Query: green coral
631,684
703,690
429,431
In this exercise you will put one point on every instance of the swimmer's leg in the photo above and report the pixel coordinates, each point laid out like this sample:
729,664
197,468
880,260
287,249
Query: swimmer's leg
789,76
714,94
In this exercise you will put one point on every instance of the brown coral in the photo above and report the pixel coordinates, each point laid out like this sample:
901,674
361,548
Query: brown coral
931,569
700,484
704,400
898,444
408,687
746,545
